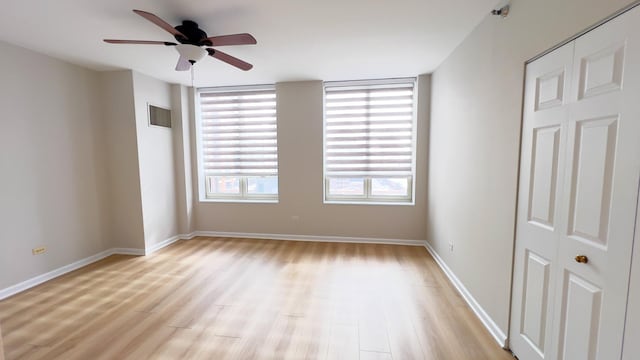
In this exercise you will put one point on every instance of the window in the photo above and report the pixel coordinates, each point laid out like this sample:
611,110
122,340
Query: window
238,148
369,141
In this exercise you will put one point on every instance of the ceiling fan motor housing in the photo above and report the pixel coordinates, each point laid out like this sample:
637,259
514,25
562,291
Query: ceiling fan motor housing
194,35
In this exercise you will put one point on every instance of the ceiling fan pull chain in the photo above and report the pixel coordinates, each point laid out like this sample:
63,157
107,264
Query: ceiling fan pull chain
192,76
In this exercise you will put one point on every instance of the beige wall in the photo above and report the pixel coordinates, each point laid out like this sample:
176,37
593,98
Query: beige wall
156,162
300,109
475,131
53,182
141,169
119,116
180,118
80,164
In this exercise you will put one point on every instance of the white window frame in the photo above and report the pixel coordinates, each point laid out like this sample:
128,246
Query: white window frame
367,195
203,180
368,198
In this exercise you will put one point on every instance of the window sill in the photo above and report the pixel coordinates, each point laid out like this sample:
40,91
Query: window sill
351,202
241,201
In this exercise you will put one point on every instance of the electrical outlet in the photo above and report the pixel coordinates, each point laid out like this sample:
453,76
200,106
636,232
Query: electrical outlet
38,250
451,247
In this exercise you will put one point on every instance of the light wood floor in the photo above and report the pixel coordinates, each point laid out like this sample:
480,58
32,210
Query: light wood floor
218,298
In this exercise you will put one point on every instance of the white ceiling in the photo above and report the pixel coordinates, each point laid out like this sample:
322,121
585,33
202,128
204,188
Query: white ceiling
297,39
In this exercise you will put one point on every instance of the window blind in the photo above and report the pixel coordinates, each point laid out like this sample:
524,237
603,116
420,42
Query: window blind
369,129
239,132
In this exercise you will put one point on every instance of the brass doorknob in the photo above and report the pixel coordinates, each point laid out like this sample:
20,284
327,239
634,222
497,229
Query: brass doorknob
583,259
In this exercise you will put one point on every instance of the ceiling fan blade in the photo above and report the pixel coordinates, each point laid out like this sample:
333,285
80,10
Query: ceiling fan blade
183,64
229,59
159,22
236,39
144,42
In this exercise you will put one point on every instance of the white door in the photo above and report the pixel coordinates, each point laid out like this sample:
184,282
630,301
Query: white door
538,225
580,169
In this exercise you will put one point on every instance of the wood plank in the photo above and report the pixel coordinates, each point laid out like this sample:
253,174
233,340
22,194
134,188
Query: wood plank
343,342
372,355
372,331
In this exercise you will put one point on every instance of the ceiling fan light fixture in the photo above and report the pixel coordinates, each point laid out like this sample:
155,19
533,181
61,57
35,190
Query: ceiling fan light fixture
191,52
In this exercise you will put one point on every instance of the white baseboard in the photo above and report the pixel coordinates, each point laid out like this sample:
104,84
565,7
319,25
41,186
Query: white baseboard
188,236
339,239
37,280
126,251
150,250
155,247
486,320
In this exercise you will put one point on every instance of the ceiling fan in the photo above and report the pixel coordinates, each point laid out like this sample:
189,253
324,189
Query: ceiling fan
193,42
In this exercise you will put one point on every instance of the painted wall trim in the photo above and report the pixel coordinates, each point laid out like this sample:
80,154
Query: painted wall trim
338,239
486,320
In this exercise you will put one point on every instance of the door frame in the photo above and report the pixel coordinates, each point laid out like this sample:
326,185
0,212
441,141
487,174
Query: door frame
1,346
633,311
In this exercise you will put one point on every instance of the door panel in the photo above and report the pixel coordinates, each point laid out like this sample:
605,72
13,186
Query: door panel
541,177
535,301
550,89
602,71
594,156
599,195
581,316
544,166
